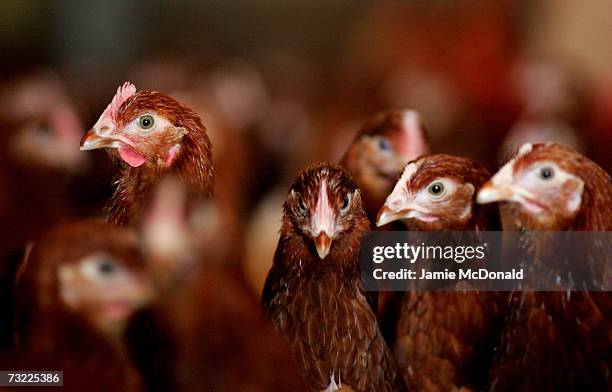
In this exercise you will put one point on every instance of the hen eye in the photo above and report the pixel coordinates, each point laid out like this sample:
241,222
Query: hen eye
97,268
384,144
547,173
146,121
346,202
436,189
302,207
106,268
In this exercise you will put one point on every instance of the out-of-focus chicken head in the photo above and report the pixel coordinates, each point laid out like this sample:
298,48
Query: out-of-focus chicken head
548,185
147,128
51,142
90,269
434,192
104,290
385,143
41,123
324,205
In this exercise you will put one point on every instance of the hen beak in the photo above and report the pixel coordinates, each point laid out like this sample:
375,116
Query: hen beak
323,221
500,188
323,244
92,141
387,215
490,193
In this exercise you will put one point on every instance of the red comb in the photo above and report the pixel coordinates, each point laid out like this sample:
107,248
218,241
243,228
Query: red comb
124,92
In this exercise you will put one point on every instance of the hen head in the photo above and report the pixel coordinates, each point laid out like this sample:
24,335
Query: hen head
89,269
148,129
385,143
324,207
552,187
436,192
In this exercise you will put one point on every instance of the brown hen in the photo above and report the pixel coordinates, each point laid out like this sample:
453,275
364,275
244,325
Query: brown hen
444,340
75,293
554,340
151,134
383,146
314,295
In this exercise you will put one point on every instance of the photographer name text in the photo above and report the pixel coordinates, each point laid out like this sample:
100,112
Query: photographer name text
409,254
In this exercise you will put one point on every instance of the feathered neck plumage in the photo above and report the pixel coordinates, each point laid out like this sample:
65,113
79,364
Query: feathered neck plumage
133,186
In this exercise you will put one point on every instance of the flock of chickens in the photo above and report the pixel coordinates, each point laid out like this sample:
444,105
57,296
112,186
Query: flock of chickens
145,301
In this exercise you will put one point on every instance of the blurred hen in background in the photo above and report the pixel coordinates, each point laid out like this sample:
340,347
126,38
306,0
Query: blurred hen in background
40,124
43,179
383,146
554,107
76,290
217,339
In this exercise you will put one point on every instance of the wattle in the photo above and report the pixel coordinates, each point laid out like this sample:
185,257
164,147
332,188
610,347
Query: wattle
131,157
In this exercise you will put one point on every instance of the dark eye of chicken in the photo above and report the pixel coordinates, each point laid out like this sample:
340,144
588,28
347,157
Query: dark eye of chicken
547,173
345,203
106,267
146,121
384,144
302,207
436,188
